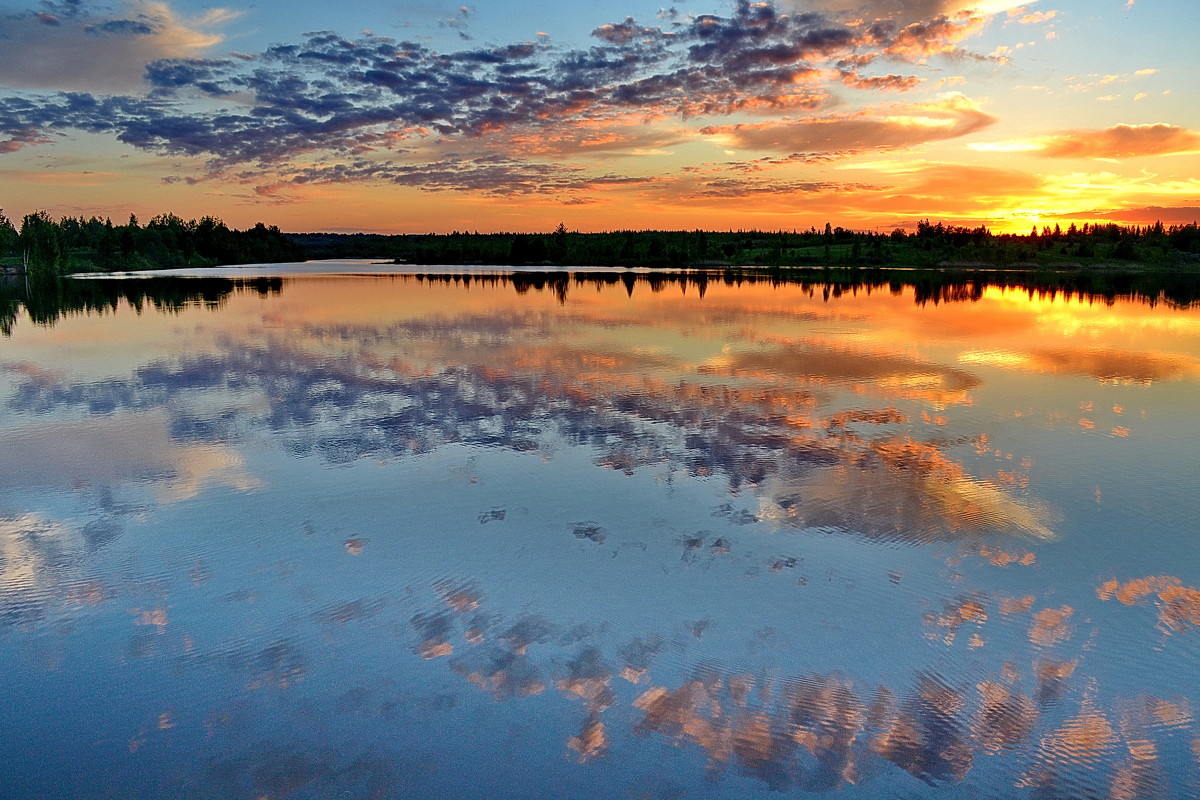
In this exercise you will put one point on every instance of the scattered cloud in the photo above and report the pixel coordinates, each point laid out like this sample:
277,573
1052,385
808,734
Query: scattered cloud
1037,17
346,97
491,175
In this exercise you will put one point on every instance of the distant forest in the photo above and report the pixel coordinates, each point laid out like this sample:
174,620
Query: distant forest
928,246
43,246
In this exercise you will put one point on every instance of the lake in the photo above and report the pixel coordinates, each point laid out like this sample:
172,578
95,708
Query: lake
279,533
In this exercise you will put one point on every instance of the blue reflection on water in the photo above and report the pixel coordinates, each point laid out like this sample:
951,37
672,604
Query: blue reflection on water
381,539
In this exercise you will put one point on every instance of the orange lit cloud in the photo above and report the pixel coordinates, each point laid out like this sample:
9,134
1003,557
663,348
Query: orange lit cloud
884,128
1121,141
1036,17
1179,215
595,137
959,180
941,35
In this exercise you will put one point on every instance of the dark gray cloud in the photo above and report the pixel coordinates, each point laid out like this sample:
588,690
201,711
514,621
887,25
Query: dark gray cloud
345,97
121,27
496,175
731,187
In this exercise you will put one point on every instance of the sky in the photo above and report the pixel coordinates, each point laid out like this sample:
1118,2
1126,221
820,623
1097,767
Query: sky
515,115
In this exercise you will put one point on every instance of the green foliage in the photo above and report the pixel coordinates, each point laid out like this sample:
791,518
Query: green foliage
8,237
41,243
90,245
930,245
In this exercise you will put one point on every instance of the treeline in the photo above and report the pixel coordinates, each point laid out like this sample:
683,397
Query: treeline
43,246
46,246
929,245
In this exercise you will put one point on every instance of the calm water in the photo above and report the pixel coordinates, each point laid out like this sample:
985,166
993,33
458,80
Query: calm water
374,537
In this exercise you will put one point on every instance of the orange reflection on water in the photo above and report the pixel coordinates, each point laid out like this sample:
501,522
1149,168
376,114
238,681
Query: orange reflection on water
1050,626
1087,739
1178,605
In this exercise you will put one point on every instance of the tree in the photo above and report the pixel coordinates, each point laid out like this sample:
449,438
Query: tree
8,235
558,245
41,244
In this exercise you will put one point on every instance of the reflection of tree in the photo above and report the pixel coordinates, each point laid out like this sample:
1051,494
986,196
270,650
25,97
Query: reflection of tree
46,301
1176,289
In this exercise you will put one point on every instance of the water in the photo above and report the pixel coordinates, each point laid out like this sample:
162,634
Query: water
619,536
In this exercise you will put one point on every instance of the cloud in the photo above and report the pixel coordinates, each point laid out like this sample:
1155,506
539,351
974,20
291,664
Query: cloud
71,46
625,32
22,137
961,180
1119,141
1037,17
898,83
738,187
875,129
910,10
920,40
1168,215
592,137
490,175
336,99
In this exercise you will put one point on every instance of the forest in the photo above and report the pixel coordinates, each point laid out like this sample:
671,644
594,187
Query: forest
41,245
929,245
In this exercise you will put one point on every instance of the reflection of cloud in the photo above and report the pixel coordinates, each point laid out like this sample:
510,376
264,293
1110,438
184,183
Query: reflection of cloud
810,361
124,448
41,561
1050,626
897,490
1085,740
1115,365
1178,605
761,429
816,733
1110,366
30,547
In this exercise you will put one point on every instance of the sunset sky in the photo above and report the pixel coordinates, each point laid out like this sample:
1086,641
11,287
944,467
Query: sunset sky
405,117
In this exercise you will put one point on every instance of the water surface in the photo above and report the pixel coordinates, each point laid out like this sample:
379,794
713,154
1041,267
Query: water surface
469,536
